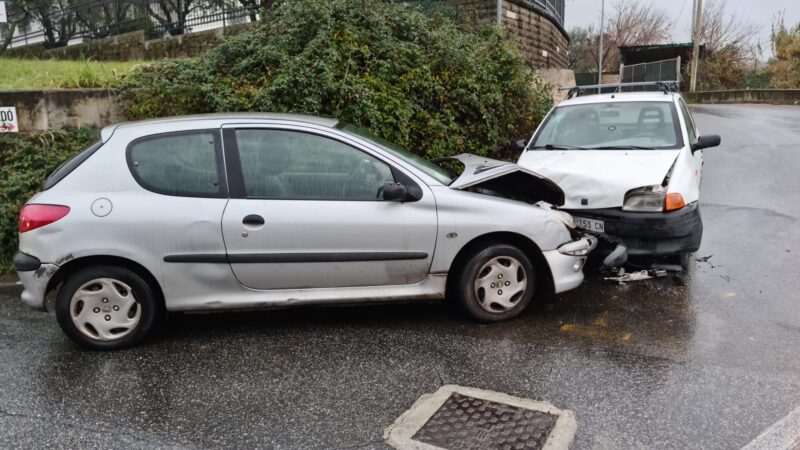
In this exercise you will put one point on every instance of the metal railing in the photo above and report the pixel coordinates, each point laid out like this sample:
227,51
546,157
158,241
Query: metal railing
553,8
96,19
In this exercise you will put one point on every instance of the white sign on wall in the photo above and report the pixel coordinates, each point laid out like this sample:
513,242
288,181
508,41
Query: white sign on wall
3,16
8,119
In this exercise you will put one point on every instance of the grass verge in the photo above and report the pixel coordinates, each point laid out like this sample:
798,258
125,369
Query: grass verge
53,74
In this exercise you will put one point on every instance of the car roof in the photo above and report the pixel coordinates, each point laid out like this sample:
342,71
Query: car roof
649,96
249,117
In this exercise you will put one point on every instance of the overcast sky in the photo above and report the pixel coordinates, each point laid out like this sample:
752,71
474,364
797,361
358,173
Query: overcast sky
760,12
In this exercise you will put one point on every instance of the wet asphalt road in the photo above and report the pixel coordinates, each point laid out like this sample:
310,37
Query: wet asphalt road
650,365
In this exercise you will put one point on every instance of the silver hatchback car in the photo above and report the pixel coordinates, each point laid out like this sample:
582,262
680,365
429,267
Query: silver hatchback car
234,211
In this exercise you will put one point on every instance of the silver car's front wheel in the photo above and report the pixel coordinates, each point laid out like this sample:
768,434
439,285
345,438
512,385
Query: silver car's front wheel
105,309
500,284
108,307
495,282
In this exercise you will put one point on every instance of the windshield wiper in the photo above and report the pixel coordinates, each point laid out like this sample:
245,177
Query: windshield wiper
621,147
558,147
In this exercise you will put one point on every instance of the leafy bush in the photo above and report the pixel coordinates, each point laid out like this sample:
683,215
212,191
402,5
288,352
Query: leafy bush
784,67
25,161
415,79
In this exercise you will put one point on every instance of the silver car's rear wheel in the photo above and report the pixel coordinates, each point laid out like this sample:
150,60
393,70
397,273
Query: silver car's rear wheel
105,309
108,307
500,284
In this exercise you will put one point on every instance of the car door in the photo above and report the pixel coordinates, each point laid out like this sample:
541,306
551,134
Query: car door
695,159
306,212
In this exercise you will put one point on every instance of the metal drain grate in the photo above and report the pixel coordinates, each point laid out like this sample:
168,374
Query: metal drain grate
465,422
461,417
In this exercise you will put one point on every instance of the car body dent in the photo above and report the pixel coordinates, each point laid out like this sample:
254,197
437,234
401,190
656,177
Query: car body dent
596,182
465,216
600,178
511,179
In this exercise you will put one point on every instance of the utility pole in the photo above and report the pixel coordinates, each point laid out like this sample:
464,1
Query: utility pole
697,27
600,57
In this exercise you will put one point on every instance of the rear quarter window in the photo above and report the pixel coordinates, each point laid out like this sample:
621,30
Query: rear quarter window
72,164
186,164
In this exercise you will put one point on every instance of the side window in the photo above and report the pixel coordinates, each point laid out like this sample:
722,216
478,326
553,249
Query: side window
279,164
690,129
183,164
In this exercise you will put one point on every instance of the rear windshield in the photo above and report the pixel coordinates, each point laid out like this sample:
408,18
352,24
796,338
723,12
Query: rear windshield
65,169
610,126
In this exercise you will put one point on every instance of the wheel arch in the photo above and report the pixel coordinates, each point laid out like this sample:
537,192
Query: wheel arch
544,277
74,265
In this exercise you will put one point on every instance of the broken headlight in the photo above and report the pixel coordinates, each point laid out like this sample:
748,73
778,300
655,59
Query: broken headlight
645,199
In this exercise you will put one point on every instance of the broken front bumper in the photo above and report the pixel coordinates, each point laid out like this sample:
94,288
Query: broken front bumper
651,234
567,261
35,277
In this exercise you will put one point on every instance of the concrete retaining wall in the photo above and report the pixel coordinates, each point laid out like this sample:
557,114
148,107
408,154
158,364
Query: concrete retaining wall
558,79
773,96
42,110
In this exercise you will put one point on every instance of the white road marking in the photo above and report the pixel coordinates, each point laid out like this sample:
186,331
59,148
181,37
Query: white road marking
399,434
782,435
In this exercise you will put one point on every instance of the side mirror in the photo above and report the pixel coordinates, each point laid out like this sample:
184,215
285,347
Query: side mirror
520,145
394,192
711,140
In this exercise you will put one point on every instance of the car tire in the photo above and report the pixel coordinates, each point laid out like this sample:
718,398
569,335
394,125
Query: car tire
107,308
496,283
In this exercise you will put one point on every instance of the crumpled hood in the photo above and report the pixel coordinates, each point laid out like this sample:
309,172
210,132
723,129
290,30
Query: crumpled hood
505,179
601,177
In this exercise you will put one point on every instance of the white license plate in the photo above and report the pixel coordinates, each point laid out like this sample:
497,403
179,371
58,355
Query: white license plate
595,225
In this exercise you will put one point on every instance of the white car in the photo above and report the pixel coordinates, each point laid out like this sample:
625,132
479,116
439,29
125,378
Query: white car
630,165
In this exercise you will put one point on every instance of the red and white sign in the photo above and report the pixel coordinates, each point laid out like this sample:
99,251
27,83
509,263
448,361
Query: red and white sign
8,119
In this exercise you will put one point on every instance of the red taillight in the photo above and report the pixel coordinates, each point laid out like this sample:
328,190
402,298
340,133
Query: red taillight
34,216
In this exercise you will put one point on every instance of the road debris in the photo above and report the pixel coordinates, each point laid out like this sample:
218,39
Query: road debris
622,277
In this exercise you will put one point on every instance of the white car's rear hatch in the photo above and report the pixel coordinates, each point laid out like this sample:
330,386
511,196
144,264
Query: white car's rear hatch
506,179
599,178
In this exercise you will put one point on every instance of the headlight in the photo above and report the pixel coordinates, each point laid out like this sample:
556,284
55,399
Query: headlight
581,247
564,218
645,199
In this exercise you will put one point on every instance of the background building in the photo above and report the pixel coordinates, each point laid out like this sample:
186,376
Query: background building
538,24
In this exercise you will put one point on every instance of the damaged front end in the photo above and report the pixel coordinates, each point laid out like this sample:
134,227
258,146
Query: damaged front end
504,179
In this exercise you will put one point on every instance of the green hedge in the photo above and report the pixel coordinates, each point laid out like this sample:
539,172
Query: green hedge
415,79
25,161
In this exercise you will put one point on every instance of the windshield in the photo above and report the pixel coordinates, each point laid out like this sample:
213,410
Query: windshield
616,125
439,173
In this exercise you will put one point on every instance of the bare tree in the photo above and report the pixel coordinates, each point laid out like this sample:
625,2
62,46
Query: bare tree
633,23
731,46
720,30
580,56
784,67
172,14
630,23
